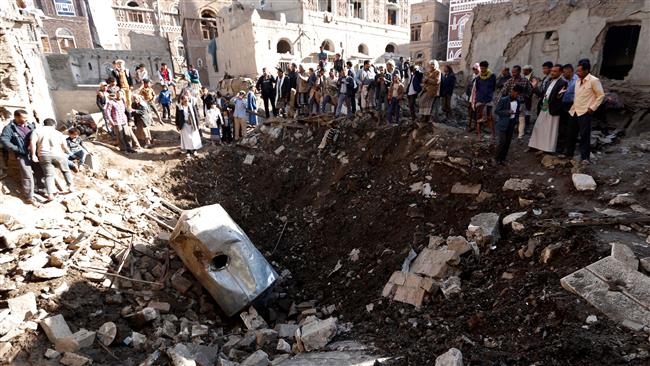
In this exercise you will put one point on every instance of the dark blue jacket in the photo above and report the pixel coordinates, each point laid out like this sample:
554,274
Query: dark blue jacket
502,113
416,80
12,139
447,84
485,88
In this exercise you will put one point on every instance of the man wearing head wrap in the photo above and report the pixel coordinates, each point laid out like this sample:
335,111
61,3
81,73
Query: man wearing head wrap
429,96
470,90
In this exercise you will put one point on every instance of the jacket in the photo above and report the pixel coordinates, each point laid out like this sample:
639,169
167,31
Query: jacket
116,75
180,116
485,88
400,92
502,113
303,85
447,84
555,104
12,139
416,80
165,97
282,88
266,86
432,84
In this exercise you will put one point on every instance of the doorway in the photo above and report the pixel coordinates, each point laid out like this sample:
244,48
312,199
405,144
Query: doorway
619,50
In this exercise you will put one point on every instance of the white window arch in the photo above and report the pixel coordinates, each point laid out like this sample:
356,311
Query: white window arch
65,39
461,26
199,63
180,48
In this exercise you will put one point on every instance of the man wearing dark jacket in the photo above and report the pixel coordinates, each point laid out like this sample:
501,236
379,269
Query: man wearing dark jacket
266,84
15,136
545,132
282,91
414,88
507,112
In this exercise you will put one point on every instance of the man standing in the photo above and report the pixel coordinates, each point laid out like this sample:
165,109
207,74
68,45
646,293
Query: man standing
166,77
366,78
485,84
266,84
293,85
49,149
527,73
15,137
149,96
544,136
527,89
351,88
303,89
507,112
503,78
470,92
251,105
413,88
322,58
338,62
240,116
567,102
588,97
282,92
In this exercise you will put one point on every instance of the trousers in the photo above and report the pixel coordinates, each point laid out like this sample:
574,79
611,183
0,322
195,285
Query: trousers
580,126
505,137
48,163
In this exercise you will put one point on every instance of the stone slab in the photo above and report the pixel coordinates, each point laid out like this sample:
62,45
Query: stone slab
334,358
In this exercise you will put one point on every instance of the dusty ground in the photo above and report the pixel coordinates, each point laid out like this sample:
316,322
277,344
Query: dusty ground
358,197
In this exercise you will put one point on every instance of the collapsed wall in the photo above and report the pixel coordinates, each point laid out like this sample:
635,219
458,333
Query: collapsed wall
23,77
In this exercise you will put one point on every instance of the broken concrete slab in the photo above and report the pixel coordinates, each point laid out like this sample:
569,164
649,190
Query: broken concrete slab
49,273
34,262
624,199
484,229
458,244
337,358
107,333
189,354
460,188
283,346
23,307
258,358
509,219
317,334
265,336
434,262
451,287
51,354
516,184
437,154
549,252
453,357
252,320
625,255
287,331
79,340
614,289
249,159
645,264
56,328
583,182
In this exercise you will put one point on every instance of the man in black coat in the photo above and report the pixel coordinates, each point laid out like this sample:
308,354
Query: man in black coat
282,91
266,84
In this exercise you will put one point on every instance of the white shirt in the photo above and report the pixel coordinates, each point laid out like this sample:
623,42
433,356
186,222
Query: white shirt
513,108
48,140
411,89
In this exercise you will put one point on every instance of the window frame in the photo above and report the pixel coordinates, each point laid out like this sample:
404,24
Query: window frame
65,8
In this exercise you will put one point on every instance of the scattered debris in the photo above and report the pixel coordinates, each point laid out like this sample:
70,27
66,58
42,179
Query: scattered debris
515,184
583,182
484,229
453,357
459,188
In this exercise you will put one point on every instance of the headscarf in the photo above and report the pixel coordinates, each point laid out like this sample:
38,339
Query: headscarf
435,64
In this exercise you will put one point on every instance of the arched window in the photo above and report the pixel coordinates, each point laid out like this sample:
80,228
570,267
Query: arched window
328,45
283,46
133,4
199,63
180,48
363,49
461,26
209,24
390,48
65,39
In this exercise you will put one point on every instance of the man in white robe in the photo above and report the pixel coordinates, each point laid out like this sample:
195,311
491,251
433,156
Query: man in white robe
544,136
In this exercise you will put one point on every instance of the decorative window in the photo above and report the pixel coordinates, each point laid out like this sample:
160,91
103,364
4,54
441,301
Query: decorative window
209,28
180,47
45,42
357,9
416,33
392,17
199,63
64,8
461,26
65,39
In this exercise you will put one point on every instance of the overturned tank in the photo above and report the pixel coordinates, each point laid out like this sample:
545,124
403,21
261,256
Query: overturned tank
222,257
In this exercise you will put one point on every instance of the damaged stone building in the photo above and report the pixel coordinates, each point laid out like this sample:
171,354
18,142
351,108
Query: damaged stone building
280,32
460,12
609,33
23,72
428,31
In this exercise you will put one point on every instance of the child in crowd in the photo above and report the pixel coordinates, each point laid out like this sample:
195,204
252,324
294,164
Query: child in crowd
226,135
165,100
214,121
77,150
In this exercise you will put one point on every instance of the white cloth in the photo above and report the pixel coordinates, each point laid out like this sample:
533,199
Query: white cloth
544,136
212,115
190,135
513,108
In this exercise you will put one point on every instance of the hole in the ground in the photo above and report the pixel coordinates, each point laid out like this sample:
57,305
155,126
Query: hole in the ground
219,262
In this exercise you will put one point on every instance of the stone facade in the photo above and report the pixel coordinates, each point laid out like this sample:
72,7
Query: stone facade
292,31
428,31
460,12
22,67
65,25
535,31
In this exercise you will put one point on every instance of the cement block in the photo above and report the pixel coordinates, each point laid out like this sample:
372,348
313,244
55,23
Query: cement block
259,358
453,357
623,253
317,334
484,229
583,182
23,306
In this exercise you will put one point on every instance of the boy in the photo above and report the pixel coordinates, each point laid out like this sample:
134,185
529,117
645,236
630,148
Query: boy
507,112
77,150
214,121
165,100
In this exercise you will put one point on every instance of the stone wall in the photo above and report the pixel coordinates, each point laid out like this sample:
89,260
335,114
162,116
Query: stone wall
535,31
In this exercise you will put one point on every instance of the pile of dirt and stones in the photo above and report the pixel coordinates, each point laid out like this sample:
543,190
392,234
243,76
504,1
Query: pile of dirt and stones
394,244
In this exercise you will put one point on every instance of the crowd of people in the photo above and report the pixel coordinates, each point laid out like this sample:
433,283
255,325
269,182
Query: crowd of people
562,100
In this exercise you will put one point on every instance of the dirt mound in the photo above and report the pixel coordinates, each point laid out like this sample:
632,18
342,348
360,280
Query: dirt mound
356,195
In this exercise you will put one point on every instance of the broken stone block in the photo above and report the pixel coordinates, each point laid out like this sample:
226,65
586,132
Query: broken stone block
199,330
517,227
231,268
279,150
73,204
138,340
459,188
259,358
58,258
287,331
265,336
624,199
317,334
51,354
525,203
107,333
249,159
583,182
483,196
437,154
549,252
18,238
112,174
451,287
7,353
591,319
180,283
484,229
283,346
36,261
515,184
49,273
73,359
23,307
252,320
409,295
513,217
529,250
458,244
435,242
162,307
79,340
645,264
453,357
193,355
93,276
434,263
625,255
